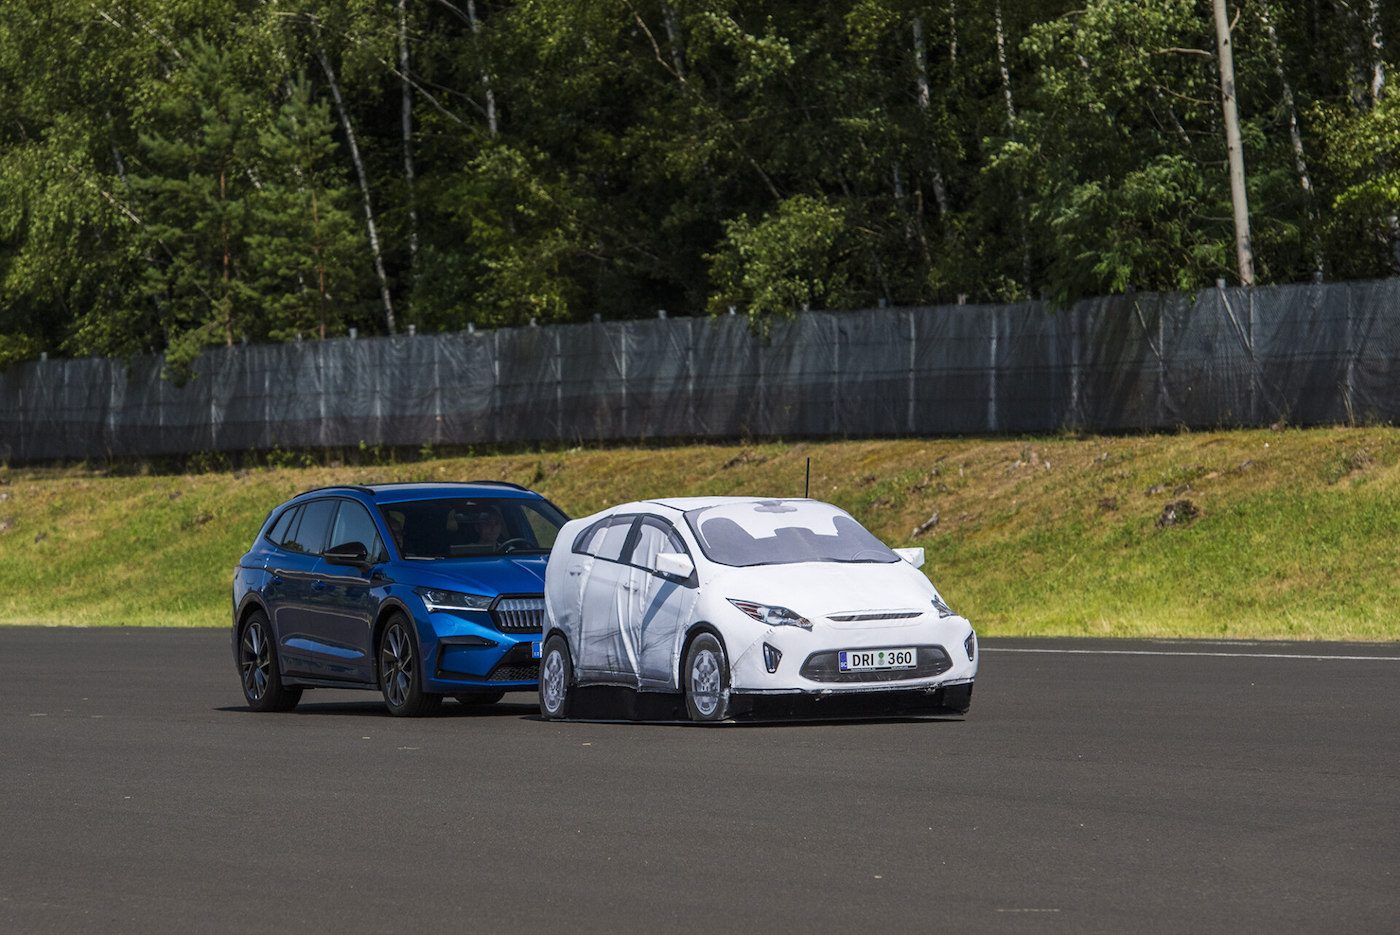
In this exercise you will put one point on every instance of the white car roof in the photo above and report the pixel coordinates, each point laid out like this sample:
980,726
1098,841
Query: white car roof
685,504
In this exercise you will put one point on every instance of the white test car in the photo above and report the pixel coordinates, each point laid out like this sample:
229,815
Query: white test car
715,608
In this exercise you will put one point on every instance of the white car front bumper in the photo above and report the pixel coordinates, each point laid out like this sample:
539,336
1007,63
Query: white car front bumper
808,658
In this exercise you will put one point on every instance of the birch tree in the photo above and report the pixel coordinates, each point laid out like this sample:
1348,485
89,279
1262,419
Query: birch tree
371,230
1229,105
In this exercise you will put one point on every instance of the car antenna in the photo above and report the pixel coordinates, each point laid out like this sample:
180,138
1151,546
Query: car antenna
807,484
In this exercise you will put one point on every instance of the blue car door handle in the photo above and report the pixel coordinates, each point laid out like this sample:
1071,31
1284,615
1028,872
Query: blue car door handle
319,586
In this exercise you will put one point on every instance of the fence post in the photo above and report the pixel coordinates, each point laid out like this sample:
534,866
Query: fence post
622,369
913,347
1254,370
113,375
762,415
438,342
835,376
1076,419
323,430
493,410
690,375
1349,389
1162,406
558,383
995,319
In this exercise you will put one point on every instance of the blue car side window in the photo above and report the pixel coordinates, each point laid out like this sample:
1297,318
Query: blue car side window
354,524
278,533
315,523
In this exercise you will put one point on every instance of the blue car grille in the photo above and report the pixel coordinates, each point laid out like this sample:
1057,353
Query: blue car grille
519,614
517,665
528,673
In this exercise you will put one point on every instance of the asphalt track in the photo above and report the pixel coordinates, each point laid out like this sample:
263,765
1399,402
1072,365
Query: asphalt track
1241,788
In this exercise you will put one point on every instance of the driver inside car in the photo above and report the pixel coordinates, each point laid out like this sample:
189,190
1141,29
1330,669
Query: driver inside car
489,527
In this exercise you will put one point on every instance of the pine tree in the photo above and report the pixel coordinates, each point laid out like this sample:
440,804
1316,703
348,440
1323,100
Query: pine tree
305,254
193,185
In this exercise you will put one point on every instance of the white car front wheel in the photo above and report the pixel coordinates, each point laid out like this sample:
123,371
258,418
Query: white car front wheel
705,675
556,672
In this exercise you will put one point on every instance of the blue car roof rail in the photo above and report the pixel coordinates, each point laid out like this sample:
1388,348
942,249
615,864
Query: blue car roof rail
356,487
501,483
455,483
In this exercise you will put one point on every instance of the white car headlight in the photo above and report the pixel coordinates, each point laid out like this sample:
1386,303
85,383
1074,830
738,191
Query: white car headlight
941,606
436,600
772,616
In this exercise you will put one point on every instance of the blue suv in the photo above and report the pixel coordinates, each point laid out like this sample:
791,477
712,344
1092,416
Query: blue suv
417,590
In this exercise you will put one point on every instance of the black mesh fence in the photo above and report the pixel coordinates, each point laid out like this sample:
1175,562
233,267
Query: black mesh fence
1311,354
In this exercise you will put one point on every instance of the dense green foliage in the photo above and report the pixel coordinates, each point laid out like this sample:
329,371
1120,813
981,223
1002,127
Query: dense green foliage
178,174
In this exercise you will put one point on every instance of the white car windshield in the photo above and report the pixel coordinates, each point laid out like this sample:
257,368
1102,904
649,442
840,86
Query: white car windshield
783,532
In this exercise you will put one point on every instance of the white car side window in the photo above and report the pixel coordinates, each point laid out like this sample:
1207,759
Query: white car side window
589,540
614,538
651,541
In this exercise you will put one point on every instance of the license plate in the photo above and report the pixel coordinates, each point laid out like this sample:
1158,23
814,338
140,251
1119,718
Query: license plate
863,660
535,648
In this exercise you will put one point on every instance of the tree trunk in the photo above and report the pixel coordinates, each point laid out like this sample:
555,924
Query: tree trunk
921,87
364,181
1244,248
953,36
317,253
1011,130
1005,70
674,39
1377,43
228,258
406,113
490,95
1295,136
1376,40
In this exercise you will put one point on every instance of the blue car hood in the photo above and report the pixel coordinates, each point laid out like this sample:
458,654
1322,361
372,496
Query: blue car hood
487,576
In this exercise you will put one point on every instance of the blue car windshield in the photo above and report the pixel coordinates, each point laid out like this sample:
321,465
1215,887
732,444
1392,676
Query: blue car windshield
462,527
783,532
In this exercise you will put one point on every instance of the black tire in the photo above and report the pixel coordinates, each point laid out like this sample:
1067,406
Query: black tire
479,698
556,679
705,679
398,663
258,668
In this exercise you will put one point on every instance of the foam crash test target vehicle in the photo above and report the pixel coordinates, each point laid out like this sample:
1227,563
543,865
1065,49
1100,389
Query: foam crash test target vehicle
721,608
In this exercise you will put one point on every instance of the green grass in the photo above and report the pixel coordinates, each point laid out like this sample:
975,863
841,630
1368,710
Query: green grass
1298,535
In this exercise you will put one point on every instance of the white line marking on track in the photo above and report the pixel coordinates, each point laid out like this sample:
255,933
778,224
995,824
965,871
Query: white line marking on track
1163,652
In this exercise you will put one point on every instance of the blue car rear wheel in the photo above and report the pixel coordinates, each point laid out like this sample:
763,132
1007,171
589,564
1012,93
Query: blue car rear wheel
258,669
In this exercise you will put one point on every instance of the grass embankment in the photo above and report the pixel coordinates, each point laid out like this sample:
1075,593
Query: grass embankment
1297,537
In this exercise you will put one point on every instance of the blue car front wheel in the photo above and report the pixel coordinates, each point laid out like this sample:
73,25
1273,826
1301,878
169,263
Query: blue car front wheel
401,672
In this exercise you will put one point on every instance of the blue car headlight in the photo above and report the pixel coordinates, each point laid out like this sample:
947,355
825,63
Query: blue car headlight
436,600
772,616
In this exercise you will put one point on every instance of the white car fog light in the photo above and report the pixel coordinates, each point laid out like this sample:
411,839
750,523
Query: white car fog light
970,644
771,658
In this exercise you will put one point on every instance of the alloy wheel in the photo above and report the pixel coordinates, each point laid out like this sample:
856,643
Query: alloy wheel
705,681
255,661
552,682
396,665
